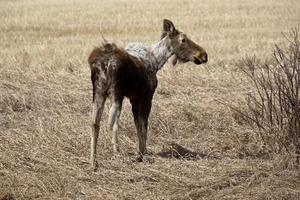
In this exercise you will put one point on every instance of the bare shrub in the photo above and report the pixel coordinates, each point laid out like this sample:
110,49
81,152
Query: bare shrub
273,106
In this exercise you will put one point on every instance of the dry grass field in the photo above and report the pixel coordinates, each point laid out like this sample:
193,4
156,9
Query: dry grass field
46,94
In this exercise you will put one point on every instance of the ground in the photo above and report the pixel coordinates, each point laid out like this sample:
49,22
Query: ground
45,102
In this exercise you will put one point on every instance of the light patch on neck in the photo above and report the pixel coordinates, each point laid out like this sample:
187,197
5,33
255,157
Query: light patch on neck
162,52
142,52
154,57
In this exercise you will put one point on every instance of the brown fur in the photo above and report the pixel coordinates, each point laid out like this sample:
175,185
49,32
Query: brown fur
130,76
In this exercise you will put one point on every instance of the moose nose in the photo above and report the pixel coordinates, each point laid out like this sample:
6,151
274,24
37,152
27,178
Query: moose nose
204,58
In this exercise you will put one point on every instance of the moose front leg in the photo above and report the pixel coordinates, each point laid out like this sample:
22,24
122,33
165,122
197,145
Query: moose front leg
141,111
142,135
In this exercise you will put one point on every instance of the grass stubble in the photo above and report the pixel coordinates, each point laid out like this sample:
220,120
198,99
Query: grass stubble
45,102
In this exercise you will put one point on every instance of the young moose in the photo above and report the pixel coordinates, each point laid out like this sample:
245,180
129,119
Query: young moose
131,73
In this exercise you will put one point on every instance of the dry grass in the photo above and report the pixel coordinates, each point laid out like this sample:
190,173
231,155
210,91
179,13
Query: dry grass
45,96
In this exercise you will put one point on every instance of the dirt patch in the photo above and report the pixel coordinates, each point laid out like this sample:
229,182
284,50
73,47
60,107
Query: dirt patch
7,196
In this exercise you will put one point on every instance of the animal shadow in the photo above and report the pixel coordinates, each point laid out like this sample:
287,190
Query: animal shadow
173,150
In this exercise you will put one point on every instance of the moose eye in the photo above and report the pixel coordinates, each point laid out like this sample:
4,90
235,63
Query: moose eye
183,40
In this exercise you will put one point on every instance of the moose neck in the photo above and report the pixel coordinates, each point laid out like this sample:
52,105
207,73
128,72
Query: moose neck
162,52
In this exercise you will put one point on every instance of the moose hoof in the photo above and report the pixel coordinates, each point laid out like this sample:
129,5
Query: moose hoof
116,149
116,156
139,158
94,166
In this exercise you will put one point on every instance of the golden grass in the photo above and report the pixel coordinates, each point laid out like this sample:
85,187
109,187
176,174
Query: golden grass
45,96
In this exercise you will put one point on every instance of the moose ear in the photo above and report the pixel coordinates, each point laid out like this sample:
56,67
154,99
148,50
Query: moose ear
168,26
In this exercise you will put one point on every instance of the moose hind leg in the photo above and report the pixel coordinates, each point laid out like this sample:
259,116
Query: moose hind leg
98,105
113,122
